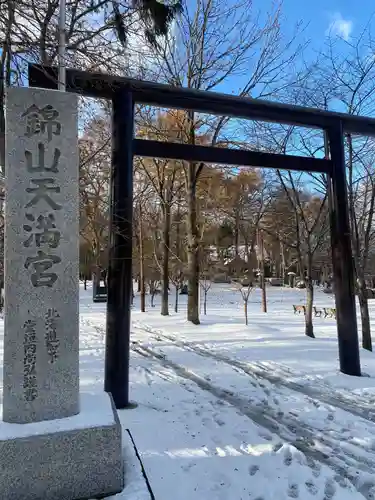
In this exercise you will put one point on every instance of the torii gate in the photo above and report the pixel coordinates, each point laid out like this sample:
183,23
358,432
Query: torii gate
124,94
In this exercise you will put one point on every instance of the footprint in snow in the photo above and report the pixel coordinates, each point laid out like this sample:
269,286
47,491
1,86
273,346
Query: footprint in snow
253,470
314,466
329,489
288,459
342,481
367,489
293,491
316,472
371,493
276,447
311,488
353,477
188,466
219,422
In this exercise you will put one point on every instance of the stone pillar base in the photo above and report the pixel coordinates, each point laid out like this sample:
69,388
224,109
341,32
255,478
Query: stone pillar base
73,458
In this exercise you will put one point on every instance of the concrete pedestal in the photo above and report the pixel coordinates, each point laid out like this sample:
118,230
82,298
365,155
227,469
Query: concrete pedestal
73,458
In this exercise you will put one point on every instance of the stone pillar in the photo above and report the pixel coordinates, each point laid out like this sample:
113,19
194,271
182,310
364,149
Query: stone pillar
81,456
41,349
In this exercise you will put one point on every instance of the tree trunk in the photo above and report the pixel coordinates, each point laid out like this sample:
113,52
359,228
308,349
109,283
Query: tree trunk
192,249
85,284
139,284
264,293
177,250
365,317
236,234
2,132
165,265
263,278
309,330
282,263
2,296
141,264
5,78
176,300
246,315
205,303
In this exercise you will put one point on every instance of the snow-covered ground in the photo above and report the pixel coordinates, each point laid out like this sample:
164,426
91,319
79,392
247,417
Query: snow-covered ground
228,411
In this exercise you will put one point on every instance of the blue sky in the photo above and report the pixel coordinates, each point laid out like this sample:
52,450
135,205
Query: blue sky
340,17
320,19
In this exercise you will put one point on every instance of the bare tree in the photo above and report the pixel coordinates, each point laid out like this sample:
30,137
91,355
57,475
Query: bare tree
214,43
245,288
177,278
304,229
205,284
178,264
143,220
345,75
105,35
154,284
165,179
361,190
94,166
262,277
98,32
7,11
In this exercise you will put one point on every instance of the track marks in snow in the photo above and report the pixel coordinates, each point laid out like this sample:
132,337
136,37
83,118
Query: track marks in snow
301,437
288,428
319,447
291,457
278,376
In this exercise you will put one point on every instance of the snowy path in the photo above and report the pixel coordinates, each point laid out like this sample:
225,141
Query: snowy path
195,445
319,439
311,427
278,375
235,412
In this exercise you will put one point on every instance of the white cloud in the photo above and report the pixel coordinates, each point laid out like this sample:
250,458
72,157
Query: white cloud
340,27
